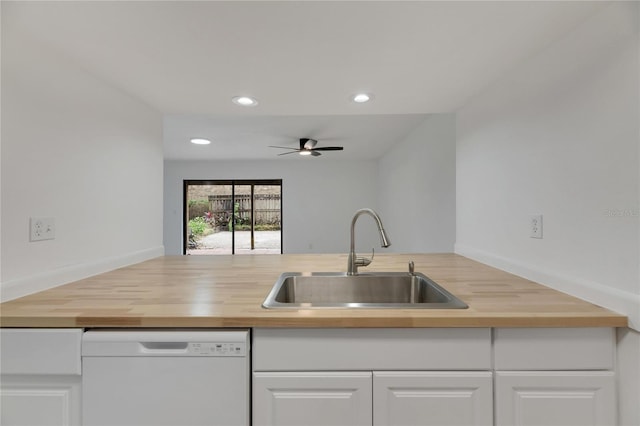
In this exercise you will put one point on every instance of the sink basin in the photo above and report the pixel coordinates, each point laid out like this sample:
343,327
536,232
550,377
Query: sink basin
396,290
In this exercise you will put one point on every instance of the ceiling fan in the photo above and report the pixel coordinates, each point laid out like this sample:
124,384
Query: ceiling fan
308,147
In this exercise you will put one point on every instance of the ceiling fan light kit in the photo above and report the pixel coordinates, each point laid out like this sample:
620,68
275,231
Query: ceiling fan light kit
245,101
308,147
361,98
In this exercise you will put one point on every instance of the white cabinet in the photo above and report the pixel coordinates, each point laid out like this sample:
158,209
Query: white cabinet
325,389
555,377
555,398
40,381
432,398
312,399
504,376
380,398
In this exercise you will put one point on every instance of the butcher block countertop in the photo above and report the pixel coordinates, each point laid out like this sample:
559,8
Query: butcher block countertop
227,291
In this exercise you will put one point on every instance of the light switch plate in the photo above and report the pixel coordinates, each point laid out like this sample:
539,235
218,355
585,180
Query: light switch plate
42,228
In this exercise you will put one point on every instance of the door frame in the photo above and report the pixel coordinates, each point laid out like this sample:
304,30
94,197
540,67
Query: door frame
233,183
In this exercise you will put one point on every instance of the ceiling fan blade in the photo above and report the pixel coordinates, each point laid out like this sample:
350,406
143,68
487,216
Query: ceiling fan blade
284,147
290,152
315,153
329,148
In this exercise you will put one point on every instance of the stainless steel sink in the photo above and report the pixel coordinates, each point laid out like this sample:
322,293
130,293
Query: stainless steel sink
397,290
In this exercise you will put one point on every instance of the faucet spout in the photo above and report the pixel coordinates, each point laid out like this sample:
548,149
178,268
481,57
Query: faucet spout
354,261
384,240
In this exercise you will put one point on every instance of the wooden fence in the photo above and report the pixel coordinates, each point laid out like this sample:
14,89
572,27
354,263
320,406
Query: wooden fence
267,208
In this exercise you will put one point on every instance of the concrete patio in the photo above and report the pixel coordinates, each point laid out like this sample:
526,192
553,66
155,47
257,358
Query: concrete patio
265,242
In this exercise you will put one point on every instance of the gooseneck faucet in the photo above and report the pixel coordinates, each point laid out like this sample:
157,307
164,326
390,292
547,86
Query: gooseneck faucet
354,261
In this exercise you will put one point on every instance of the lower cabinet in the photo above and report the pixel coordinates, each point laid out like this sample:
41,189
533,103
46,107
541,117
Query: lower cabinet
41,377
374,376
555,398
443,377
373,398
555,377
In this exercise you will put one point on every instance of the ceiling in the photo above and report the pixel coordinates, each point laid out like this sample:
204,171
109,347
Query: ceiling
249,137
302,60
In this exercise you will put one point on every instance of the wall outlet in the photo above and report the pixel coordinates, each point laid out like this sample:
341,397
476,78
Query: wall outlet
42,228
536,226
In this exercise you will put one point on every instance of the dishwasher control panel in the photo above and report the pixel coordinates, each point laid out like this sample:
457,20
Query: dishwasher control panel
165,343
216,349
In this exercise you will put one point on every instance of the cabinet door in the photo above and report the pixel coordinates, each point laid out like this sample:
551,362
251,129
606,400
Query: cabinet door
432,398
40,400
555,398
312,399
40,383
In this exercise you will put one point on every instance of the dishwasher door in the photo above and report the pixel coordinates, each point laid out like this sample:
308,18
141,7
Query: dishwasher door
171,378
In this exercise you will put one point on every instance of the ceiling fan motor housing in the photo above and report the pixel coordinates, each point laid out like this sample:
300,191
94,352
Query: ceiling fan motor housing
307,143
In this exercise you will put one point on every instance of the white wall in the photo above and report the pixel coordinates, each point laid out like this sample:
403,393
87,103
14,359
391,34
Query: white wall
319,197
559,136
78,150
416,188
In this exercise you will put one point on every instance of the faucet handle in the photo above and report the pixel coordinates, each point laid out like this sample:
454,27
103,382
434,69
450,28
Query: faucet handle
363,261
411,268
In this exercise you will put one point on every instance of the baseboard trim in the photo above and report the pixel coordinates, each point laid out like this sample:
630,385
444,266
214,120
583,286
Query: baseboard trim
32,284
623,302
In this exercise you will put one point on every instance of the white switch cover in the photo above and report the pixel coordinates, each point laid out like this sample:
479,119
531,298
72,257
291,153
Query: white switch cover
42,228
536,226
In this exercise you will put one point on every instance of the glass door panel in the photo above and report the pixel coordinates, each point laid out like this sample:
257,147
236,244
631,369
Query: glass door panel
243,219
267,219
209,209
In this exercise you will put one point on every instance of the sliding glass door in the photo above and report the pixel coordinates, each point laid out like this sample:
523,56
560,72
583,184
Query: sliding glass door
232,217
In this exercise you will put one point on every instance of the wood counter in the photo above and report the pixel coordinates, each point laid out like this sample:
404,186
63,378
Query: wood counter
227,291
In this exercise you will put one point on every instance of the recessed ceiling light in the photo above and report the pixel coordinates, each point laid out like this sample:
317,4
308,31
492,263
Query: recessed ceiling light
245,101
200,141
361,98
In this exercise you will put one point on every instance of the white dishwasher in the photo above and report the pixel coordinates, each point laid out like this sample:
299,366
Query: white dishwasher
170,378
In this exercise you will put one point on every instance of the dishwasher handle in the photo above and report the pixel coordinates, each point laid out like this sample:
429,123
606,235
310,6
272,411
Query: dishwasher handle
163,347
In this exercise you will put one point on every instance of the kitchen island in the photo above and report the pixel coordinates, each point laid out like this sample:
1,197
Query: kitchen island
521,353
227,291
